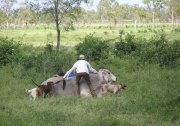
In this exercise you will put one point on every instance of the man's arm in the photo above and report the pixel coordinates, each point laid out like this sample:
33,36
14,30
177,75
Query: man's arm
91,69
70,71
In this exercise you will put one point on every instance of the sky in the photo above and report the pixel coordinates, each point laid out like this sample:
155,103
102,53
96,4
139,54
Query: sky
129,2
95,3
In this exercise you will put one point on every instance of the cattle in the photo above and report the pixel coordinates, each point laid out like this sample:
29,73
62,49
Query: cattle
103,76
53,79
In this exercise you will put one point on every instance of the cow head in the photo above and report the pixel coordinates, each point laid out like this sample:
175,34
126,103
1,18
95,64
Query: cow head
107,75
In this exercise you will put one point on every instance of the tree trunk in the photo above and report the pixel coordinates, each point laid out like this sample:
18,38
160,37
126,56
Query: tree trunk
115,23
153,21
58,37
57,23
172,18
7,25
135,24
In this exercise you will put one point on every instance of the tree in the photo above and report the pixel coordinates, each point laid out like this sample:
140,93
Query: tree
154,6
6,6
103,4
138,12
174,7
110,9
60,9
2,16
24,15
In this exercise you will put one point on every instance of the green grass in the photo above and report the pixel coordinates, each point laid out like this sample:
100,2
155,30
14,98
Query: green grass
151,99
41,35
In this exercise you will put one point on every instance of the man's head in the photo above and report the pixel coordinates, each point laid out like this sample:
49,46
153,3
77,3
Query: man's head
81,57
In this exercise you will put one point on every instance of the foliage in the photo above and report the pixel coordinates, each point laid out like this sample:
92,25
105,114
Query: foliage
159,50
2,17
155,50
176,30
94,48
9,51
126,46
48,60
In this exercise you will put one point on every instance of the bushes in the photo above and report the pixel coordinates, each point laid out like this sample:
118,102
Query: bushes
176,30
126,46
9,51
94,48
44,60
49,60
159,50
156,50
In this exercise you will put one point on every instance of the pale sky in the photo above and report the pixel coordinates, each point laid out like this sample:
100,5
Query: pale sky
95,3
129,2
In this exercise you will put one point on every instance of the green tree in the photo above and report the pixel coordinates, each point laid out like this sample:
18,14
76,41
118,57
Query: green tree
2,16
174,7
138,12
60,10
7,7
110,9
154,6
24,16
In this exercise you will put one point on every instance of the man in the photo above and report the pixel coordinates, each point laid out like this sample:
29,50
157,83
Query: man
83,68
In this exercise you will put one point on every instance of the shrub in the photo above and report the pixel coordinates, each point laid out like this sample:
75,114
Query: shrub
94,48
9,51
49,60
156,50
159,50
176,30
105,33
126,46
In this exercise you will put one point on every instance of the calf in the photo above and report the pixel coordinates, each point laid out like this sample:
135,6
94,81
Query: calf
112,88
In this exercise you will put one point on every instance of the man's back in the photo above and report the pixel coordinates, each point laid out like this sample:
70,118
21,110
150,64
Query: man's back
82,66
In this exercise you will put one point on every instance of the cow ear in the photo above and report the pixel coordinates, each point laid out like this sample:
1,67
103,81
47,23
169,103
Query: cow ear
104,73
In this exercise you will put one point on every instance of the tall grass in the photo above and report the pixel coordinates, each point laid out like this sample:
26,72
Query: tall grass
151,99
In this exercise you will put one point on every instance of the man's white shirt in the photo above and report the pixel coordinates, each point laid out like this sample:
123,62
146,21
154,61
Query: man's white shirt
81,66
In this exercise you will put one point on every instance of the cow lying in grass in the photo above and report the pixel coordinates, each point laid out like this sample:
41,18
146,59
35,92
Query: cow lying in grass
112,88
103,76
68,87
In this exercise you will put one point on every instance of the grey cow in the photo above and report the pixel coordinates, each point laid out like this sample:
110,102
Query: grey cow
102,77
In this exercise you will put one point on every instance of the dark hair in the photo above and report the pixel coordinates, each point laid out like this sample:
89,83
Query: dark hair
61,73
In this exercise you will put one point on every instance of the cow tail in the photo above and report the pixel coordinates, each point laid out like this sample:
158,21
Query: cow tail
64,84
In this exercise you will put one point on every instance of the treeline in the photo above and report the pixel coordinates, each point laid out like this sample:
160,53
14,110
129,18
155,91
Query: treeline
108,11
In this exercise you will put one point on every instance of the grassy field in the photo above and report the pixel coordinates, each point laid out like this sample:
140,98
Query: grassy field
151,99
41,35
